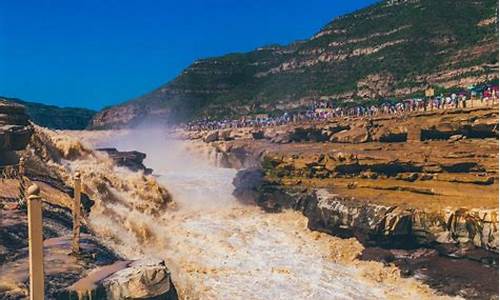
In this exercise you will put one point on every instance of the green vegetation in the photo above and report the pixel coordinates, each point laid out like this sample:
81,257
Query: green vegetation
55,117
409,41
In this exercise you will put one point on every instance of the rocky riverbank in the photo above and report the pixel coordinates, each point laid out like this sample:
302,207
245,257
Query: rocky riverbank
97,272
423,181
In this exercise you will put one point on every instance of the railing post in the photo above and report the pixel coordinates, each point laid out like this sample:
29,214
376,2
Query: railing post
35,241
22,182
76,213
21,166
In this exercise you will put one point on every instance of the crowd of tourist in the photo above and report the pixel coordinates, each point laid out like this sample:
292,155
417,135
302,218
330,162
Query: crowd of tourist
323,110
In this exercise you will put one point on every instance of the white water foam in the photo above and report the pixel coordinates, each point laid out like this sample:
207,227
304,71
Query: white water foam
218,248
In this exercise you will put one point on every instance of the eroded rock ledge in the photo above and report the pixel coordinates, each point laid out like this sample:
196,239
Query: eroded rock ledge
453,232
425,180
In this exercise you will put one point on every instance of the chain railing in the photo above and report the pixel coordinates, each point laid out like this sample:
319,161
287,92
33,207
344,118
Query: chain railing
32,201
17,172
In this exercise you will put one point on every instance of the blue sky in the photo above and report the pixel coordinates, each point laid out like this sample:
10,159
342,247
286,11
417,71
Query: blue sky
95,53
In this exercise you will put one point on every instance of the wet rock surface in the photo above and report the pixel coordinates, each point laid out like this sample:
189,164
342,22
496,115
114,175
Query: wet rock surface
133,160
457,277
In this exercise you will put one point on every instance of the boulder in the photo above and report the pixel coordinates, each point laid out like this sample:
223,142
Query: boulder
332,129
211,137
143,279
354,135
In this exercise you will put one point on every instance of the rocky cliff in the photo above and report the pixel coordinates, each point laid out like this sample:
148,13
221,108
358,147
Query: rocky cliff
415,190
15,131
405,185
390,49
55,117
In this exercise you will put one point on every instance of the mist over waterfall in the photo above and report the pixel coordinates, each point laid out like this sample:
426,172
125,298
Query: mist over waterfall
218,248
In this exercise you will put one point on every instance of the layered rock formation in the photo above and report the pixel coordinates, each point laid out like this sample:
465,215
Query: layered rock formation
15,131
390,181
384,50
415,190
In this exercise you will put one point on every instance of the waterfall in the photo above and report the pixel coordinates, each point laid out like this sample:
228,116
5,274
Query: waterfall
218,248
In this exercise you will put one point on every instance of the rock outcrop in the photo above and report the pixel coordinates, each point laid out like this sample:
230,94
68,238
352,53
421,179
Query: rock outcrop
140,279
15,130
453,231
392,226
378,180
132,160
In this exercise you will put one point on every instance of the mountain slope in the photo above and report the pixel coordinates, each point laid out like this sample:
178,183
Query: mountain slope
55,117
390,49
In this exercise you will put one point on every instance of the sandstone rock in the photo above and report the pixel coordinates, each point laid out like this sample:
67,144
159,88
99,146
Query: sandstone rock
461,167
375,85
211,137
484,128
309,134
393,226
341,156
455,138
281,139
332,129
441,131
411,177
479,126
432,169
369,175
15,131
391,135
143,279
14,137
354,135
224,135
133,160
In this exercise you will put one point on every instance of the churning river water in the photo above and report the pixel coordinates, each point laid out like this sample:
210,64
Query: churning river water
219,248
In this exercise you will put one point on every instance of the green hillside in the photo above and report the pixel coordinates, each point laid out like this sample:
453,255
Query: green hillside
55,117
390,49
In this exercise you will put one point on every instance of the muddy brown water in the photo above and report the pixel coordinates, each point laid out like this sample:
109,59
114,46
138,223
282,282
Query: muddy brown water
219,248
